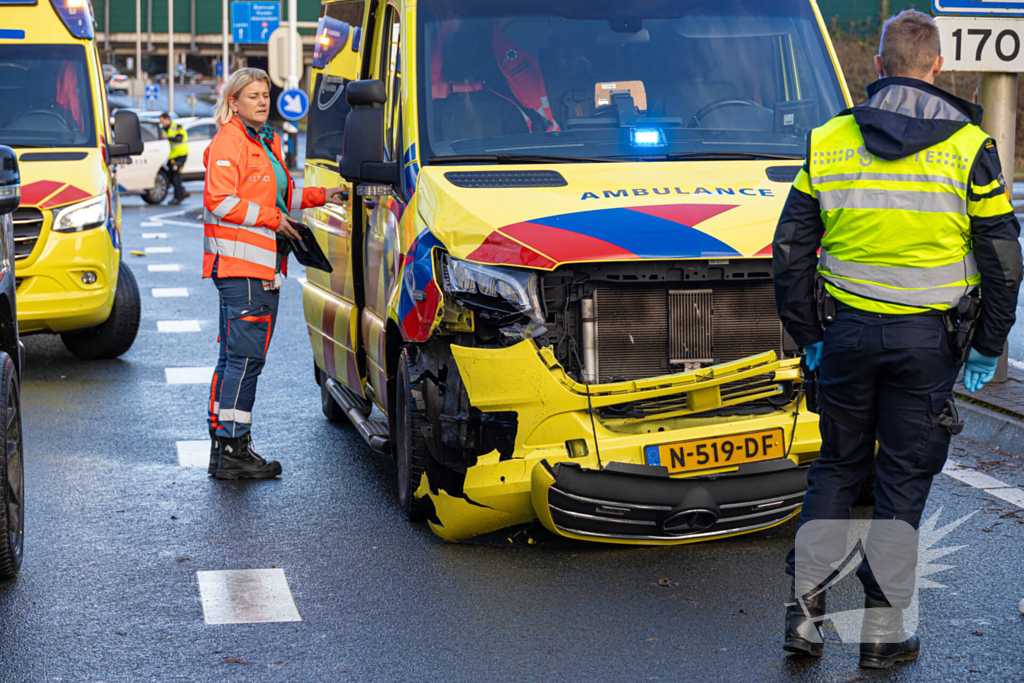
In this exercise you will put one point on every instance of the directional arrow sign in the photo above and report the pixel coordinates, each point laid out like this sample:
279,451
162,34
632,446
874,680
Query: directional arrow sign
293,104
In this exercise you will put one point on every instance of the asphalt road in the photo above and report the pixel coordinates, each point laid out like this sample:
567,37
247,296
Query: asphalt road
117,531
181,105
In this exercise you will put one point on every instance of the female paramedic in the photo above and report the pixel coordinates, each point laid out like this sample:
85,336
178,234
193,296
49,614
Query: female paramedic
247,199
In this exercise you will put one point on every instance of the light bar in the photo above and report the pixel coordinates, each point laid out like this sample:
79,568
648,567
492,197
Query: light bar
77,17
647,137
331,36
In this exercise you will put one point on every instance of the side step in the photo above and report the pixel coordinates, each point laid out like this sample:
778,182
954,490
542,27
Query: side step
376,434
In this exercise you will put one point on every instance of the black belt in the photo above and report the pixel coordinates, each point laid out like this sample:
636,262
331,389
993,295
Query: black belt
840,306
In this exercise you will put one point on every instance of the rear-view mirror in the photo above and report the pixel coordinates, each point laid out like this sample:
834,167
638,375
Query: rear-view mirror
127,136
10,180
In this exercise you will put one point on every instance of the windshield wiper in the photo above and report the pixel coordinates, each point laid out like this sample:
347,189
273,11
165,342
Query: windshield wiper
714,155
519,159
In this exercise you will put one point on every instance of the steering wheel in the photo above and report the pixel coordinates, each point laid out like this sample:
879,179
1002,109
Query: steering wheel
719,104
45,112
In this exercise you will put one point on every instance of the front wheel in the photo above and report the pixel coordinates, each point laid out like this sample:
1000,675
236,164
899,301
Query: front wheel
12,472
158,192
116,335
410,444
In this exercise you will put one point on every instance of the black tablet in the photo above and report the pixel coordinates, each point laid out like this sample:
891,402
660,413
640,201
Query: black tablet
307,251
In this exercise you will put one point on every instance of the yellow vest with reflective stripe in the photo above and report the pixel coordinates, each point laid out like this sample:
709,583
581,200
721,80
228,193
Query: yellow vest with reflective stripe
897,233
180,149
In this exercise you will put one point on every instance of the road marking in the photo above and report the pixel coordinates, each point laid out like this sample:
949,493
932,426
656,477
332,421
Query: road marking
150,224
1015,363
177,326
163,268
193,453
169,292
159,250
154,235
246,596
189,375
984,482
301,280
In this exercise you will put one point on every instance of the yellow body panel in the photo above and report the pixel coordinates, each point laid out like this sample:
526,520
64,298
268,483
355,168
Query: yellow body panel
51,295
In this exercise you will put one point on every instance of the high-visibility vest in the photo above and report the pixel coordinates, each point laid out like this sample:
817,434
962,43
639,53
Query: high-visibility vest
178,149
240,204
897,233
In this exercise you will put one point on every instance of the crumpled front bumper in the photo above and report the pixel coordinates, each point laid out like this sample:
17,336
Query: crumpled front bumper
548,476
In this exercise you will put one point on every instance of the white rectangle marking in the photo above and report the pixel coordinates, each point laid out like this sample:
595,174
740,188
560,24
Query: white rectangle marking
177,326
159,250
246,596
988,484
170,292
189,375
163,267
193,453
154,235
150,224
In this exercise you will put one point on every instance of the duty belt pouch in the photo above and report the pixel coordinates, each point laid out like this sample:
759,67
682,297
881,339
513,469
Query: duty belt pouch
810,387
824,302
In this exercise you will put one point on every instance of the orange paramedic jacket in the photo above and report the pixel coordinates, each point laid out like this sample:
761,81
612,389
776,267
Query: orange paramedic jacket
240,201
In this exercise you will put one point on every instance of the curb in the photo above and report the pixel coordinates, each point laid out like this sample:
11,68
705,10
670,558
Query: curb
991,428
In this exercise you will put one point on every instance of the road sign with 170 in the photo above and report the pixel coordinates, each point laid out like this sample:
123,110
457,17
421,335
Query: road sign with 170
970,44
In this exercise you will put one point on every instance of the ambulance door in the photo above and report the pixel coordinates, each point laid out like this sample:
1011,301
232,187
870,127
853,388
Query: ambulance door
331,301
383,214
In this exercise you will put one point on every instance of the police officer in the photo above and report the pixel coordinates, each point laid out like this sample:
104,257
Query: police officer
178,137
905,199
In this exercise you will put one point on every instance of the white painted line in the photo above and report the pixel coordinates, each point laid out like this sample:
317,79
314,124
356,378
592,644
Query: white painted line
246,596
154,235
150,224
193,453
189,375
162,216
187,224
170,292
177,326
163,267
301,280
984,482
1019,364
159,250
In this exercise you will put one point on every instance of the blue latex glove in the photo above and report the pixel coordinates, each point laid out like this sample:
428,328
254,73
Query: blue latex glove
813,354
979,370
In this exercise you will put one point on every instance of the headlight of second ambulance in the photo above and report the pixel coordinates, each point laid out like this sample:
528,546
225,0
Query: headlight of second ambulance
92,213
506,297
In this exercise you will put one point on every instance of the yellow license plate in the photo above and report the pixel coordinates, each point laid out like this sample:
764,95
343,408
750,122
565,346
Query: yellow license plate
723,451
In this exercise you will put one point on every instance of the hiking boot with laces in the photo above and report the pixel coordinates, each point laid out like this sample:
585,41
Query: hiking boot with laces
238,460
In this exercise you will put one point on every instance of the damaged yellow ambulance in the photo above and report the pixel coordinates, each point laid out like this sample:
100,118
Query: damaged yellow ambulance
553,276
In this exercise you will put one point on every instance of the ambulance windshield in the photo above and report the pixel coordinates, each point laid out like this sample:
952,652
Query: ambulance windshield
45,98
613,79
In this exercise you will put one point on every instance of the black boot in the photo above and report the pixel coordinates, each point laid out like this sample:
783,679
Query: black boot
883,640
803,635
239,461
214,453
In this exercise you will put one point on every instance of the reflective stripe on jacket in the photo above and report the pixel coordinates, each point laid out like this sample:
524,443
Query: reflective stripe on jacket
178,137
239,201
897,233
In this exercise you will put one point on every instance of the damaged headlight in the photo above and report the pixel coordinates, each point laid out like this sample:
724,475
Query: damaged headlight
497,293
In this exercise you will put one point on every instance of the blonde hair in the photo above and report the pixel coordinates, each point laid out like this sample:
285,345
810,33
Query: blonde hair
236,82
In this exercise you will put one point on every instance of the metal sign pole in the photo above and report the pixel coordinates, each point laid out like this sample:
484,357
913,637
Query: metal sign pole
225,31
170,56
293,67
138,52
997,93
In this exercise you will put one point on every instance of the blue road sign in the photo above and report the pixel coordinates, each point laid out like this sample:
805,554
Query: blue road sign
152,92
979,8
220,68
293,104
253,22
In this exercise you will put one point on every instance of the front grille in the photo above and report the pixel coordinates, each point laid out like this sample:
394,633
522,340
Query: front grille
645,331
757,386
28,223
506,178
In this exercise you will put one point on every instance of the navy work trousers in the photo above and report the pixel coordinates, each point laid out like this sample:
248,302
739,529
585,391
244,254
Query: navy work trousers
892,375
247,317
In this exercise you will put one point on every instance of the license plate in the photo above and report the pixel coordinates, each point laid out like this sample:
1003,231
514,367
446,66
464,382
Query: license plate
723,451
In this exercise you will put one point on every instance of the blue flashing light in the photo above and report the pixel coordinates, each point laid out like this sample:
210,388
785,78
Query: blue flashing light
331,36
647,137
77,17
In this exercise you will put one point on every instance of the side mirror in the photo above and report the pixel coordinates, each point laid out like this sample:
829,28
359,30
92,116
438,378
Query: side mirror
362,146
127,136
10,181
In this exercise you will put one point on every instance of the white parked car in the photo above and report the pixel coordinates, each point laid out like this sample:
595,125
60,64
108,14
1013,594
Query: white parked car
145,175
117,83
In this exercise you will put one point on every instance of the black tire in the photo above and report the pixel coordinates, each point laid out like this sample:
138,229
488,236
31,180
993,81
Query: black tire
332,411
116,335
867,488
410,446
12,472
157,193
